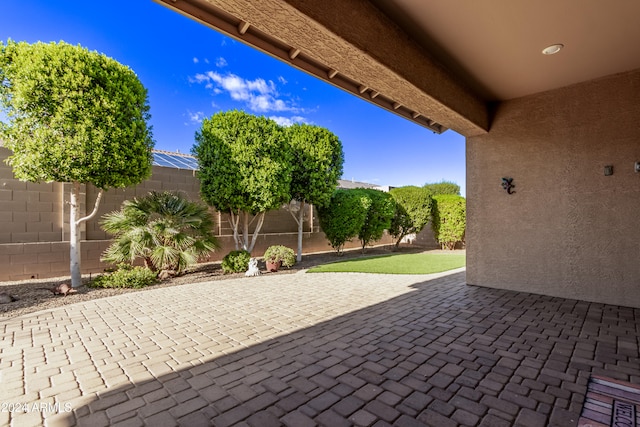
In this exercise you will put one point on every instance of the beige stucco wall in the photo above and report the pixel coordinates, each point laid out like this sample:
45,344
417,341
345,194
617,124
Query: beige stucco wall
568,230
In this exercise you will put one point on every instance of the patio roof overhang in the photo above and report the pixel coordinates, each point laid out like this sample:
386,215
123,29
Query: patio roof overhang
333,41
443,65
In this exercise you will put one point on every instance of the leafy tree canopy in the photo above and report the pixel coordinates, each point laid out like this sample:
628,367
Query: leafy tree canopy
245,162
443,187
449,219
317,160
343,217
317,163
413,210
73,115
381,208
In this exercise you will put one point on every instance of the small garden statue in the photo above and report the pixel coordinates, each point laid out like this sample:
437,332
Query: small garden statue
253,268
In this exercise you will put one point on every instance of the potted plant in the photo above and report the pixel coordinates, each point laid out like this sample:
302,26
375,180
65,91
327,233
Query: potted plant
277,255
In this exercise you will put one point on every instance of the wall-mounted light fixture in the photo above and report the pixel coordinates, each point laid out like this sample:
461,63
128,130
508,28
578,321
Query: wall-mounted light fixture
637,169
508,185
608,170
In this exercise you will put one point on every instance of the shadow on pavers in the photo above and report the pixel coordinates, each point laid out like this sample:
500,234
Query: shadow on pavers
446,354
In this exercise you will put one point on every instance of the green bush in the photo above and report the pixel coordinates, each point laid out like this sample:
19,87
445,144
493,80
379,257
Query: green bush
413,211
362,213
343,217
126,276
236,261
443,187
380,210
277,253
449,220
164,229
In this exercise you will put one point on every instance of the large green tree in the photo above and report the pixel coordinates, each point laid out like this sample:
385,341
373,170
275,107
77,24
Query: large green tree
343,217
381,207
76,116
244,169
317,166
449,219
413,211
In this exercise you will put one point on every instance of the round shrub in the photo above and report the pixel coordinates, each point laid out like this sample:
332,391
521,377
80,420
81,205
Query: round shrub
413,211
236,262
343,217
380,210
126,276
449,220
281,253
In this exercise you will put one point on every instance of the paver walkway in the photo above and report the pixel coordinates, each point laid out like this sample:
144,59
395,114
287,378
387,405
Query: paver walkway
314,349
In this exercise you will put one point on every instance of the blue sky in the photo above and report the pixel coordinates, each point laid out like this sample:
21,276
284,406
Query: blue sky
192,71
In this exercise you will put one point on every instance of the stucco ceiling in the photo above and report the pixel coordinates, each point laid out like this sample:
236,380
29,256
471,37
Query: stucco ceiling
496,45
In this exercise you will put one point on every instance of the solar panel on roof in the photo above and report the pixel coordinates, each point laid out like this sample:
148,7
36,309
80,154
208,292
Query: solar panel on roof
179,161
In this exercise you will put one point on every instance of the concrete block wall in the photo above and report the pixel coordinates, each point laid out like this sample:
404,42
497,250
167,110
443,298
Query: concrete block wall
22,261
29,212
162,179
426,238
34,223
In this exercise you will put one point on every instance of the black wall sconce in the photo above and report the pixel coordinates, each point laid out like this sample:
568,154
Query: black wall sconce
508,185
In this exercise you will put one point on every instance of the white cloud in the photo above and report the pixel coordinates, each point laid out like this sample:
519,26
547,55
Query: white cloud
198,78
258,95
196,117
288,121
195,60
282,80
221,62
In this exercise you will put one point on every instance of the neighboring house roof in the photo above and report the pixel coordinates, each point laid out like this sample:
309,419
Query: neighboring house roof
343,183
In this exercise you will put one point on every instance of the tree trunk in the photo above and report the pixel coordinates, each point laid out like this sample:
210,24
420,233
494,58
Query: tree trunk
74,235
397,245
242,240
234,219
245,232
300,221
74,231
256,231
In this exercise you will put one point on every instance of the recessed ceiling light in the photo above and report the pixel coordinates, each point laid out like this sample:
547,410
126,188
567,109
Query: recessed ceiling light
554,48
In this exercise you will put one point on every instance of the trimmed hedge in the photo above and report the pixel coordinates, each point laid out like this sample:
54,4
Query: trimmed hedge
381,208
413,211
449,220
343,217
362,213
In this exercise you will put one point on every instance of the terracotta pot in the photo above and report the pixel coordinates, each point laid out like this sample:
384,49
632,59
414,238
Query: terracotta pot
273,266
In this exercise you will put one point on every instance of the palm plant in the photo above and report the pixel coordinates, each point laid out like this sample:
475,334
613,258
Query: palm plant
165,229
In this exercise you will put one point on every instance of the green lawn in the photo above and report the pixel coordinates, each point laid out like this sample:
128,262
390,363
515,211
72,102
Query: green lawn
423,263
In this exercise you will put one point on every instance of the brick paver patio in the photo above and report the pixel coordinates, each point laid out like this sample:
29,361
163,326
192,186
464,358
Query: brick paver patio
314,349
